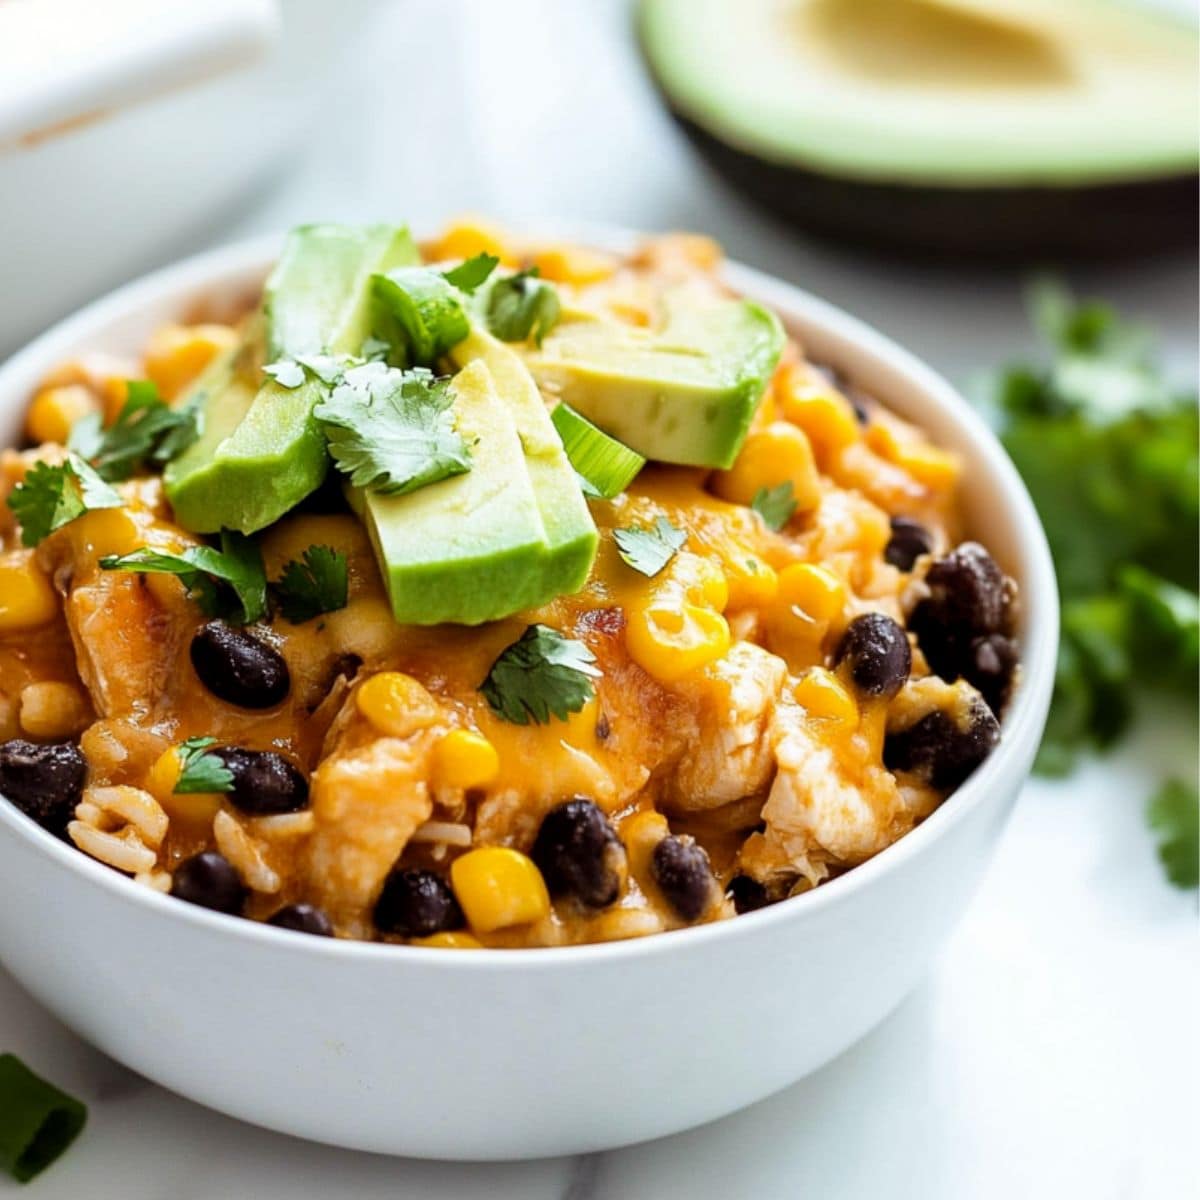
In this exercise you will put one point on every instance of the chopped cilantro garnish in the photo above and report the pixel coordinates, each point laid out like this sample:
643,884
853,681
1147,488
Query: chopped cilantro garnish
1174,815
316,583
38,1122
775,505
146,430
521,306
228,583
541,674
393,431
199,771
288,373
51,497
649,550
472,273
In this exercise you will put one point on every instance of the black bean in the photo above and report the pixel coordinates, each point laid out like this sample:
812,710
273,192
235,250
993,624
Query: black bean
969,598
302,918
681,870
942,749
264,783
416,904
990,668
579,853
238,667
43,781
208,879
747,894
878,654
910,539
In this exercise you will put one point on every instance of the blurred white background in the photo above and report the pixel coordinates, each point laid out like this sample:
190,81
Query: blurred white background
1053,1053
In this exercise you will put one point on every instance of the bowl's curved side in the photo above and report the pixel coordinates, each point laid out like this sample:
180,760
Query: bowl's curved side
515,1054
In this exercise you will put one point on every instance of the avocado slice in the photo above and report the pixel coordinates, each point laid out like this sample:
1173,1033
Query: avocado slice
570,534
260,451
980,128
471,548
683,393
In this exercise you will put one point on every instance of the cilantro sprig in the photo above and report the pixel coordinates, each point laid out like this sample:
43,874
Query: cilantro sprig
393,431
472,273
649,550
199,771
228,583
50,497
1108,448
146,431
775,505
542,674
318,582
521,306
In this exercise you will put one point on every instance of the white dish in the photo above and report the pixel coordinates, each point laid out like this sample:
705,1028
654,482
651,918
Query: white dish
127,125
520,1053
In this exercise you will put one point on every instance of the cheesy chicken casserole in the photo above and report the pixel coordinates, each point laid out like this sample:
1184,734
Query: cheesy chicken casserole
486,594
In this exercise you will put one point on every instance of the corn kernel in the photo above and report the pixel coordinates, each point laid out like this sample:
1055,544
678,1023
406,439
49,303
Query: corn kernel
195,808
396,704
815,591
825,415
115,391
177,354
498,887
448,941
105,531
671,641
934,468
27,598
752,583
778,454
465,759
641,832
53,710
468,237
54,410
573,264
823,696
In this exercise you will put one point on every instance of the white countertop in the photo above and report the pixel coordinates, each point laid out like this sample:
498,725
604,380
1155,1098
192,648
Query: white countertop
1053,1050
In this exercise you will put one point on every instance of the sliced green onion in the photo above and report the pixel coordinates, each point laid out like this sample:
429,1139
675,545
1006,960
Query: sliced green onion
605,466
37,1121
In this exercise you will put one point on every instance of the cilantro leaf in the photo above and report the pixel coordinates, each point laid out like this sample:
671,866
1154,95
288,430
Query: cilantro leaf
317,583
521,306
393,431
146,430
540,674
228,583
472,273
775,505
1174,814
200,772
51,497
649,550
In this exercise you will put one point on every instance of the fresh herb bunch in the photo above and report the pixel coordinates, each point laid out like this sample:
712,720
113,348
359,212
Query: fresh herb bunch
1108,449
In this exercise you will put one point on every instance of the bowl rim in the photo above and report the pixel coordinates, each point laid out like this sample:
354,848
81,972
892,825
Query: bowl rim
220,267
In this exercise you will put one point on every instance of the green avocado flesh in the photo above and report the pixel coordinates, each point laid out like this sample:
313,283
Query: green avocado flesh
941,93
476,547
683,393
260,451
571,537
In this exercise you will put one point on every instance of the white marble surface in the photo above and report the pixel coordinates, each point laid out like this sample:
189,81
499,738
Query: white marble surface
1052,1051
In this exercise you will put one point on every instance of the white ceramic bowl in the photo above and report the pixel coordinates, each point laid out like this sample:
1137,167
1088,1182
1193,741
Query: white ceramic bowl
515,1054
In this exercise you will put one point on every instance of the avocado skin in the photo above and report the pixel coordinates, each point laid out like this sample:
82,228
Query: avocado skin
987,224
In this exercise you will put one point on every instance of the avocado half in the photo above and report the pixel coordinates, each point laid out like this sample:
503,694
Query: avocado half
976,128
